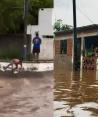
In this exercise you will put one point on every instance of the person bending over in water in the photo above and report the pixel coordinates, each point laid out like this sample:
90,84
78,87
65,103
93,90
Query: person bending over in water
15,64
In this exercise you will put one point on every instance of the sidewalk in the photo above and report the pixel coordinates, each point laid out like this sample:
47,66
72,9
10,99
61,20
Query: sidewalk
34,66
34,61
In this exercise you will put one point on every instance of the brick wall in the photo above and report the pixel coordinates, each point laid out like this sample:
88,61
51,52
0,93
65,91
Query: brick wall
69,47
57,47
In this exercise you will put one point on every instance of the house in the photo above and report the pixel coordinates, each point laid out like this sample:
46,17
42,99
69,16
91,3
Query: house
45,30
87,37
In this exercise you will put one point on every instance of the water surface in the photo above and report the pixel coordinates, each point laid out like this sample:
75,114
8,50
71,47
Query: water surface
75,93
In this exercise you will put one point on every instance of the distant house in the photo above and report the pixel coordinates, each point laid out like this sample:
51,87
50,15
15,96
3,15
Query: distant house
45,30
87,36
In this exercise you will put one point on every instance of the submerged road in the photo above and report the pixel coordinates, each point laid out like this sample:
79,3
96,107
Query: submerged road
27,94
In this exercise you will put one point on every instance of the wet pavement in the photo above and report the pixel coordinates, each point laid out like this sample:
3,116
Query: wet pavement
75,93
28,93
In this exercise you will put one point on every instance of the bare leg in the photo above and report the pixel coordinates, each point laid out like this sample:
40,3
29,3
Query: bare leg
37,57
33,56
16,68
8,66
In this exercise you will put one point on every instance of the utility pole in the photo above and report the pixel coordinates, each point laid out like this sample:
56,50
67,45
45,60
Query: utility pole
25,29
75,59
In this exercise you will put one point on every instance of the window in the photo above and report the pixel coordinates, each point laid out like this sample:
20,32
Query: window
48,36
63,47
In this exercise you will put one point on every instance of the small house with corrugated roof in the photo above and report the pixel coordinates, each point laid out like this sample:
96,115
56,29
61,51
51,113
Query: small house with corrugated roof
87,37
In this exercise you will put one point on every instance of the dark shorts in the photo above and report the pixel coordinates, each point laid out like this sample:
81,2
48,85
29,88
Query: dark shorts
36,50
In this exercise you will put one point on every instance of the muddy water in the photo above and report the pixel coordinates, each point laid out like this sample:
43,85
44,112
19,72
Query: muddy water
28,94
75,93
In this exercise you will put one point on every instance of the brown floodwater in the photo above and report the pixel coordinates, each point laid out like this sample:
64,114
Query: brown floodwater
28,93
75,93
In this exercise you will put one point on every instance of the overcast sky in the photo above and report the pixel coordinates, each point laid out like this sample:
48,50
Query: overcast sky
87,11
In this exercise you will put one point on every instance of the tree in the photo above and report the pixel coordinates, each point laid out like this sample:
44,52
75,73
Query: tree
66,27
11,14
34,7
59,26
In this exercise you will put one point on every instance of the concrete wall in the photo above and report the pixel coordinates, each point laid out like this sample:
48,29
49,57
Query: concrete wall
47,49
45,21
44,28
31,29
11,46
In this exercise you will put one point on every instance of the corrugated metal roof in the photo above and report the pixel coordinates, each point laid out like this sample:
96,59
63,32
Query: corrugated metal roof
79,29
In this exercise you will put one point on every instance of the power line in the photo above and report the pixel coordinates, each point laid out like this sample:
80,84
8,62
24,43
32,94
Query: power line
85,15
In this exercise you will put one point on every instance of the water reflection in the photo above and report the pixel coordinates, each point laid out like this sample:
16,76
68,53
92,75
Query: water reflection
75,93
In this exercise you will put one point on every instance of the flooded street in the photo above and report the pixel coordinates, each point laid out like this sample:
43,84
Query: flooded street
27,94
75,93
30,93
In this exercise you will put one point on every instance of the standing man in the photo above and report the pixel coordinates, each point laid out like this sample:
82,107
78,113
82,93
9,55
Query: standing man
36,46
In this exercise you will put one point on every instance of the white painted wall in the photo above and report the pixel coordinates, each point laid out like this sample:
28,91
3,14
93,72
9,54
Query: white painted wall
47,49
44,27
31,29
45,21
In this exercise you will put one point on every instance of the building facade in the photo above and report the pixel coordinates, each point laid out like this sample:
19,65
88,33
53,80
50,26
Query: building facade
45,30
87,37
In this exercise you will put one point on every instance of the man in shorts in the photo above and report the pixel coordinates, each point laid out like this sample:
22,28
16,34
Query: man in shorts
36,46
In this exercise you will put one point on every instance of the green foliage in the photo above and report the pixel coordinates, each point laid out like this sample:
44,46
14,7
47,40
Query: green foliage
89,53
11,14
59,26
34,7
66,27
